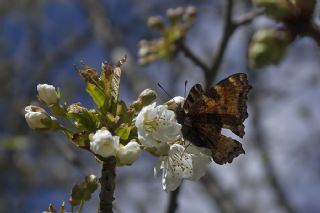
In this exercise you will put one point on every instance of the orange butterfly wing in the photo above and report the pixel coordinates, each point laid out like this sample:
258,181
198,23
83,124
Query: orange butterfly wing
206,113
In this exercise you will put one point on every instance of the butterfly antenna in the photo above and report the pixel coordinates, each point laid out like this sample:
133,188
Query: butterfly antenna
161,87
185,88
185,148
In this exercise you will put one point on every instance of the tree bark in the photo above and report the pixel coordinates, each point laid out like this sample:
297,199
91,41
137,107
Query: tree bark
107,181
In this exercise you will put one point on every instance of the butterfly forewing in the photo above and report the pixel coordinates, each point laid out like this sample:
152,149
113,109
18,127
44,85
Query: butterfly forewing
228,100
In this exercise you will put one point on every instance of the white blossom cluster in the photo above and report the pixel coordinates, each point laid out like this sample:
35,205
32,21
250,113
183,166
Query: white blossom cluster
106,145
157,126
157,129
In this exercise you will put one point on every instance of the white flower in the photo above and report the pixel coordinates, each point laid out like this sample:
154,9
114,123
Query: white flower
182,163
104,144
37,118
129,153
48,94
157,125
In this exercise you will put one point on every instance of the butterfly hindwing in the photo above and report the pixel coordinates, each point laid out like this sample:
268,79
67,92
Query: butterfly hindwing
206,134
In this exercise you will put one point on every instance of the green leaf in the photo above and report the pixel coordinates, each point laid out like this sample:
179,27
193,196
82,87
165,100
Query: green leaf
97,95
123,131
81,139
85,119
115,84
82,192
121,108
110,76
111,119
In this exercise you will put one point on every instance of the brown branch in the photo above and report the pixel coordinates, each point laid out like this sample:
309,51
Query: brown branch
223,200
188,53
248,18
173,200
228,30
107,182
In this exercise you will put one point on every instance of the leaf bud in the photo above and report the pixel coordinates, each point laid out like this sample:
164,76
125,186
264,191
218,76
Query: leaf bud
268,46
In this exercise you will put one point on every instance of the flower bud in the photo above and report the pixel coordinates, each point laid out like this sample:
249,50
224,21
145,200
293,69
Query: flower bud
175,102
268,46
191,11
104,144
48,94
147,96
38,119
305,7
155,22
174,14
129,153
143,51
278,10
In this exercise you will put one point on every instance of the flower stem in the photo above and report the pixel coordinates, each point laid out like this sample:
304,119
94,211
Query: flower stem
107,181
173,200
81,206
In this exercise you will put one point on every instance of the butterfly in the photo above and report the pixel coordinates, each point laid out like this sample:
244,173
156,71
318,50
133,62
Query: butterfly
205,113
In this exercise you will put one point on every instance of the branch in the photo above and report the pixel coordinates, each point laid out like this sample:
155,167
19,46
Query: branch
248,18
173,200
228,30
223,200
107,182
188,53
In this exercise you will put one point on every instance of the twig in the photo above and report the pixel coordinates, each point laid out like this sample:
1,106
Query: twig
222,199
247,18
173,200
107,182
228,30
188,53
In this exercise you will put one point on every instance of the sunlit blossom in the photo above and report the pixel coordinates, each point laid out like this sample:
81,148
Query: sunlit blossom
157,124
182,163
104,144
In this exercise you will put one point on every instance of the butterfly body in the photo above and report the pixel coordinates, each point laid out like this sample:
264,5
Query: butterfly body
205,113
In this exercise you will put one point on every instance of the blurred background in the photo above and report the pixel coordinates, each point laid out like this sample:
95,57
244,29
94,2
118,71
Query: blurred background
40,41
